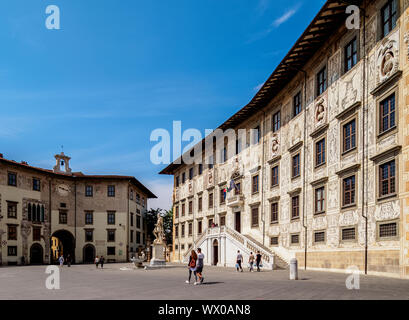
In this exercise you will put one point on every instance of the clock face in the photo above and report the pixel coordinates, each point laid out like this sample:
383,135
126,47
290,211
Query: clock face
63,190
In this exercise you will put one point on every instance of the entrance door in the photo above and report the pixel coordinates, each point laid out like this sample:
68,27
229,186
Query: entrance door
89,253
215,252
238,221
36,254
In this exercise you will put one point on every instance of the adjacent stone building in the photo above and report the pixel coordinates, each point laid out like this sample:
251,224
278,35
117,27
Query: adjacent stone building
322,173
46,213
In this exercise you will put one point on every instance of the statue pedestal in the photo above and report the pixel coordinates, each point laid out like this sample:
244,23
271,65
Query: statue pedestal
158,255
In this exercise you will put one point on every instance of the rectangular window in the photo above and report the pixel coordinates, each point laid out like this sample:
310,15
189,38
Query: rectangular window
348,191
190,173
182,226
89,191
131,218
63,217
274,241
138,221
222,221
111,235
210,223
320,200
183,210
274,176
111,191
320,152
276,121
183,177
349,136
274,212
138,237
89,217
89,235
12,210
295,207
295,239
388,230
297,107
256,137
191,207
200,169
36,234
254,217
12,179
254,185
210,200
295,166
177,231
176,212
322,81
387,184
348,234
12,251
190,228
111,217
200,204
319,236
131,236
351,55
199,227
36,184
222,196
389,16
387,114
12,232
110,251
177,181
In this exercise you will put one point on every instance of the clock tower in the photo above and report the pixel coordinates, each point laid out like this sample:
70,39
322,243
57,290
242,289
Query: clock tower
63,163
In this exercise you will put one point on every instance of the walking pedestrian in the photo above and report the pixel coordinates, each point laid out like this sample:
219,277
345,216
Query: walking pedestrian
96,261
258,261
61,260
101,262
239,260
199,266
192,266
68,260
251,262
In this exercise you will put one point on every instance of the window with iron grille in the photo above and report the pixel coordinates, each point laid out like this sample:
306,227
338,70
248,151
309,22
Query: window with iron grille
111,191
387,184
111,217
89,191
389,16
322,81
320,152
191,207
254,217
349,191
110,251
12,179
63,217
351,55
274,241
295,207
320,200
36,184
274,176
295,239
276,121
297,107
200,204
319,236
36,234
190,228
89,235
254,186
274,212
12,210
12,251
89,217
210,200
111,235
387,114
222,220
388,230
199,227
296,166
348,234
12,232
349,136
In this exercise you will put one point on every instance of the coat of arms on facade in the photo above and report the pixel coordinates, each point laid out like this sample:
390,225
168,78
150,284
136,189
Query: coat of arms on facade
210,177
275,145
320,111
387,59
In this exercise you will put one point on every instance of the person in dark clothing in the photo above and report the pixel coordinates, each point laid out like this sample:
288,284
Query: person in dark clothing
192,266
69,260
258,261
101,262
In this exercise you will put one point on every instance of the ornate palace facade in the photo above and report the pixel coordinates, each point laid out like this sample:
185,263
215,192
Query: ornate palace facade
46,213
324,175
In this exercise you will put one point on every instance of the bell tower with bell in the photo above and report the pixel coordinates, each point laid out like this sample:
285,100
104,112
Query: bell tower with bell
62,164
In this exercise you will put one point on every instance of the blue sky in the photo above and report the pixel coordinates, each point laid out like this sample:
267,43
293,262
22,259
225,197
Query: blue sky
118,69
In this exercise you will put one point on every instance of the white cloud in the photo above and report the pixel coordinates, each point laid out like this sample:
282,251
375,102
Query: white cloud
286,16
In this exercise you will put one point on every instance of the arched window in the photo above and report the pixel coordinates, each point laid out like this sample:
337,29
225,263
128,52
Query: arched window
42,214
29,218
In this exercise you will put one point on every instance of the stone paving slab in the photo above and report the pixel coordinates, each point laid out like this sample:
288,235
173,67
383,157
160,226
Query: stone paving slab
86,282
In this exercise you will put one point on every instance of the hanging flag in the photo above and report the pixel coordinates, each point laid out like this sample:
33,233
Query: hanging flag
233,186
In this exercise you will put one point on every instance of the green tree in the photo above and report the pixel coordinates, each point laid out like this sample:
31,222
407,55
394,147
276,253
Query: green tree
152,218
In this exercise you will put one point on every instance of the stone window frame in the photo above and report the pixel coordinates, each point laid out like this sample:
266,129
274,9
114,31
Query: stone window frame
34,184
176,230
210,204
111,214
190,207
176,211
9,204
318,139
14,248
293,155
85,234
379,27
380,98
323,66
199,230
316,187
346,40
35,230
224,216
344,174
87,212
111,191
62,213
253,192
348,240
110,249
277,203
273,166
252,222
393,238
297,90
319,242
15,178
294,244
293,196
273,129
110,232
222,197
210,220
87,193
275,244
348,119
200,203
14,233
190,228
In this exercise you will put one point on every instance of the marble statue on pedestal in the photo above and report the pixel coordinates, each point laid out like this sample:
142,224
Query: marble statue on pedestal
159,244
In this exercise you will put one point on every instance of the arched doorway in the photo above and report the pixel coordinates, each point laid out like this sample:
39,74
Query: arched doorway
36,254
62,243
215,252
89,253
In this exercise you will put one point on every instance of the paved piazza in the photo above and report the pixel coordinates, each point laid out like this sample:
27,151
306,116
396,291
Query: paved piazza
85,282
